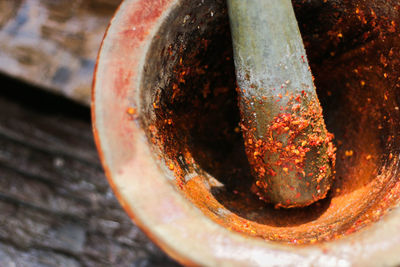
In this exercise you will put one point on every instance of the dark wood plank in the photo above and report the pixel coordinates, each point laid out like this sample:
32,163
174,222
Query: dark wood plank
55,204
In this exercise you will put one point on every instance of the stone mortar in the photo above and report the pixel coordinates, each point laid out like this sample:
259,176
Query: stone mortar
165,119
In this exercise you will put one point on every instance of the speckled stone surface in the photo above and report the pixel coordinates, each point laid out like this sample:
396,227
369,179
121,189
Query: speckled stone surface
54,44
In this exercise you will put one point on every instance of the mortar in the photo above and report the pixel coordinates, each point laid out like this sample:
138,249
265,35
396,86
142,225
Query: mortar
165,120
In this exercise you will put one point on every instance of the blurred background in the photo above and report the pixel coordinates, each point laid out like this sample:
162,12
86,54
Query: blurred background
56,207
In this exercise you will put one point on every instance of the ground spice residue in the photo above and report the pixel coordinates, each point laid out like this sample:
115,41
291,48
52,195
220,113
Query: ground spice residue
297,147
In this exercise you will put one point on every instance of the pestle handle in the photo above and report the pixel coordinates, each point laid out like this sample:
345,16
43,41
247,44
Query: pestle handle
286,140
268,47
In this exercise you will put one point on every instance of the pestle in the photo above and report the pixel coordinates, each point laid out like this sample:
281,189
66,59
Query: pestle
287,144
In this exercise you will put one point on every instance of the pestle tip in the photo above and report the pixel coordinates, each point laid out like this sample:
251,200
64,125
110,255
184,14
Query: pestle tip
293,161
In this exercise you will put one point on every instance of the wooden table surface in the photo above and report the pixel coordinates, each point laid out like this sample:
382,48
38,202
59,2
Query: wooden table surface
56,207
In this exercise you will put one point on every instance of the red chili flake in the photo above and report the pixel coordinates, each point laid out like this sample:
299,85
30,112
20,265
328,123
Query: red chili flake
131,111
271,172
171,166
348,153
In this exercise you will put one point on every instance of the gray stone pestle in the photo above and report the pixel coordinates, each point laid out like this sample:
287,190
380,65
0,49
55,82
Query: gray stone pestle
287,143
